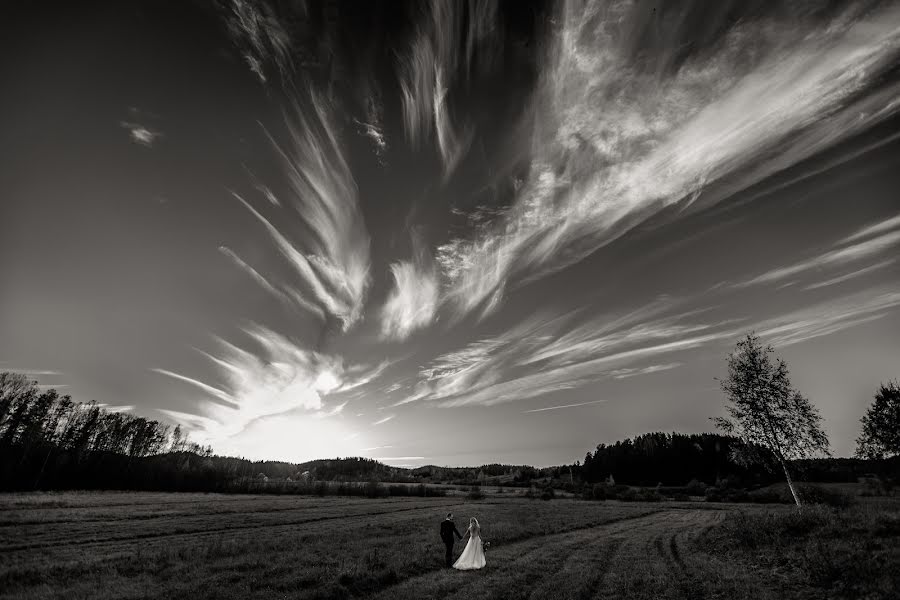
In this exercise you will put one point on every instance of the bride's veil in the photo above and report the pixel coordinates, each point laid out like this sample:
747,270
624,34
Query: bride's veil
473,523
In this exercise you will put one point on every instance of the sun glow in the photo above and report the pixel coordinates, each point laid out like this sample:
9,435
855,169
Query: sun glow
297,436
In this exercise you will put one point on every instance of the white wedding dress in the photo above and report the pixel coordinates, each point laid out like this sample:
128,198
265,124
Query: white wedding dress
472,556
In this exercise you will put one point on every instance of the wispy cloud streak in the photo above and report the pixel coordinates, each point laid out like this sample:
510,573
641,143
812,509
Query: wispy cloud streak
829,317
875,228
840,256
563,406
851,275
333,268
276,376
264,43
617,141
440,55
546,354
413,301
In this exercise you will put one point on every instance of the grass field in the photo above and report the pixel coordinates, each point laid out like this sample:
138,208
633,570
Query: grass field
156,545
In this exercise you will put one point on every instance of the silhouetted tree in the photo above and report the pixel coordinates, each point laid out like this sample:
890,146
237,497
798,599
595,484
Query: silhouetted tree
880,435
766,411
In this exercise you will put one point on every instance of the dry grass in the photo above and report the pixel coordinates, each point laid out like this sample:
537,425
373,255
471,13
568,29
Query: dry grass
121,545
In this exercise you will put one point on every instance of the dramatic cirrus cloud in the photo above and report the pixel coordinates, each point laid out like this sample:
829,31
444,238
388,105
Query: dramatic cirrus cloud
634,371
854,252
829,317
875,228
545,354
332,270
275,378
618,140
331,266
441,55
259,34
413,301
851,275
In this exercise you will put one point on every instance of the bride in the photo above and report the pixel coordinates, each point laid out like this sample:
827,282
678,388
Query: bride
472,556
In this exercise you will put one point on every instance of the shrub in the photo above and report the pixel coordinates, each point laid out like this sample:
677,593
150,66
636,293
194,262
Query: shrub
725,493
475,493
628,495
614,492
598,492
681,498
398,490
713,494
648,495
736,495
669,491
816,494
876,485
695,488
374,489
766,496
548,493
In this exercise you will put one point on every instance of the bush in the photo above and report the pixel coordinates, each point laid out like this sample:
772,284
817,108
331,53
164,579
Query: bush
628,495
648,495
714,494
832,553
876,485
766,496
548,493
375,490
614,492
475,493
737,495
398,490
598,492
726,494
669,491
682,498
816,494
695,488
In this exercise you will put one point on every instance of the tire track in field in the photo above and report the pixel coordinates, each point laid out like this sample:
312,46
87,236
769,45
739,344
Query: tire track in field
180,515
650,564
585,562
526,563
201,533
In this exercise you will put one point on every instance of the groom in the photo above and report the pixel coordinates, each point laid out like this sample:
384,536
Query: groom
448,528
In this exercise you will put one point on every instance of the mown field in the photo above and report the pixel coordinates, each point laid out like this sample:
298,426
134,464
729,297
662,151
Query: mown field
157,545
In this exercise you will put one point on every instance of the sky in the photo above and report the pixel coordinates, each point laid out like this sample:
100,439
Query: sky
449,233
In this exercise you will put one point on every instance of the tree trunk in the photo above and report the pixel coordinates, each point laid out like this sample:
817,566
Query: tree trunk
40,474
790,483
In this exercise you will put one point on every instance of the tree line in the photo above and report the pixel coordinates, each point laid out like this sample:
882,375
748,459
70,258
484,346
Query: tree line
43,433
49,441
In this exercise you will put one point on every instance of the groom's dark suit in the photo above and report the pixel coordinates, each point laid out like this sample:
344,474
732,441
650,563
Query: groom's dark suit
448,528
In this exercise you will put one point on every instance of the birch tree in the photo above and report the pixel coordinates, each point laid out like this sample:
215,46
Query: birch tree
765,410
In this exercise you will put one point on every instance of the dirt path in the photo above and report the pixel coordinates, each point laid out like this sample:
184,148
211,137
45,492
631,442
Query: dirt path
593,562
